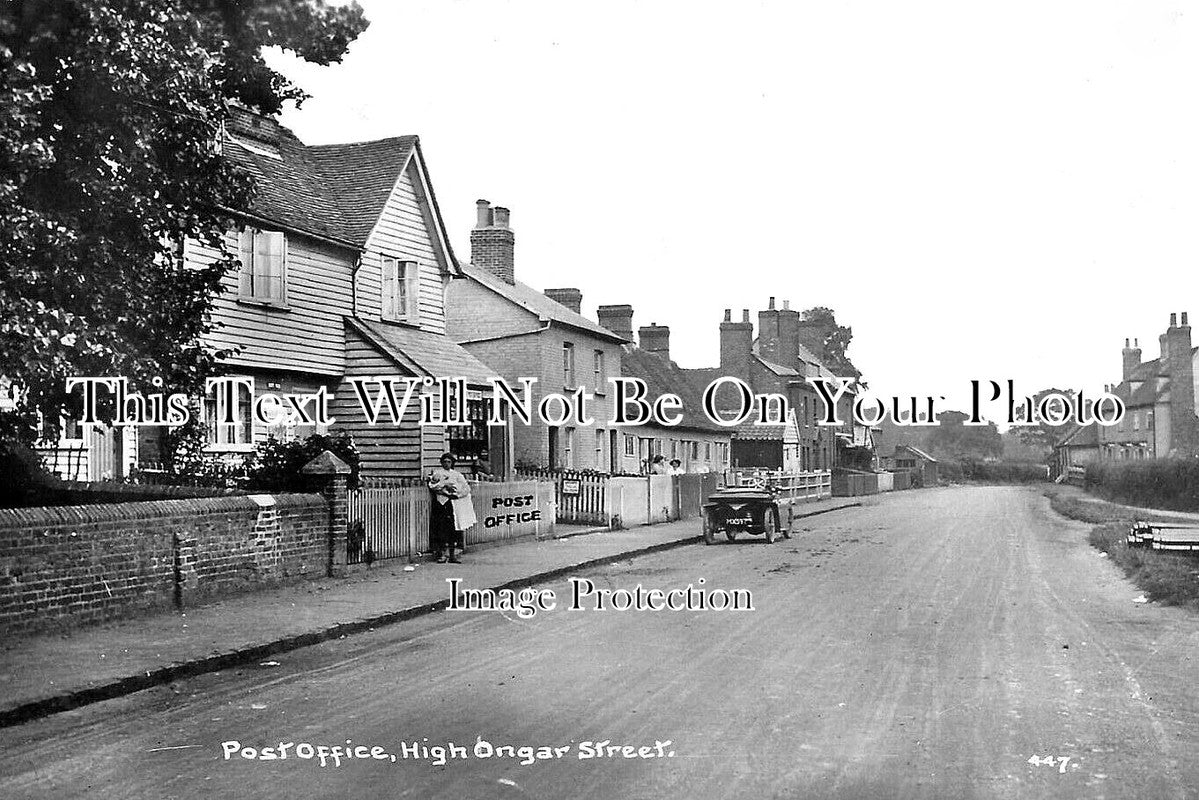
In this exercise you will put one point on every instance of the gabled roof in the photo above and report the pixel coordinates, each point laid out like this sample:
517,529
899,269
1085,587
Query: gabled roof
1081,436
661,375
916,451
422,353
335,192
536,303
778,369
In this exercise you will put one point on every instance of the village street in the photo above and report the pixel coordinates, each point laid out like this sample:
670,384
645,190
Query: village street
925,646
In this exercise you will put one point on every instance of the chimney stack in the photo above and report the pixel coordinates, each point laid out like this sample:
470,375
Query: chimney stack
778,334
618,319
571,298
1132,360
736,346
492,242
655,338
1184,426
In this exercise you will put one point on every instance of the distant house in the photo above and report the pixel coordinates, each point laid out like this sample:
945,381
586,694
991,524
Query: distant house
1160,401
523,333
697,442
924,467
1078,448
345,264
780,361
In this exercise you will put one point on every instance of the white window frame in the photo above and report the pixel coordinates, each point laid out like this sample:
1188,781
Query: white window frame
257,281
226,437
601,370
399,288
568,365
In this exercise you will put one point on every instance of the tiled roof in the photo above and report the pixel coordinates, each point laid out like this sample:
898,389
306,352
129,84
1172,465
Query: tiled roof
428,354
779,369
362,175
534,301
916,451
661,375
1081,436
334,191
748,430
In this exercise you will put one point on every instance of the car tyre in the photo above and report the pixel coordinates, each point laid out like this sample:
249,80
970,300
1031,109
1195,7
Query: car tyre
731,534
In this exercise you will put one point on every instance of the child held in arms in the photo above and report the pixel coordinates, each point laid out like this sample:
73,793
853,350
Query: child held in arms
452,512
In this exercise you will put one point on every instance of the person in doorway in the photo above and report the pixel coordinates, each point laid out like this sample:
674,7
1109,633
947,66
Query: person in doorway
452,512
658,466
676,467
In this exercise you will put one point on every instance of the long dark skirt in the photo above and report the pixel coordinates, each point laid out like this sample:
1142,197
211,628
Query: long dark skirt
441,526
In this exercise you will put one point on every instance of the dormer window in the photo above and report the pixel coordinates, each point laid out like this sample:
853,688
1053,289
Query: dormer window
399,290
263,275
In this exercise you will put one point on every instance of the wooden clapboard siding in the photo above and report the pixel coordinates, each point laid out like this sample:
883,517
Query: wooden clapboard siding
386,450
308,336
404,232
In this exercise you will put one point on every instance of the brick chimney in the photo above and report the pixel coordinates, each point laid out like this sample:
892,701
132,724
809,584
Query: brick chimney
1132,359
736,345
618,319
492,242
571,298
655,338
778,334
1184,427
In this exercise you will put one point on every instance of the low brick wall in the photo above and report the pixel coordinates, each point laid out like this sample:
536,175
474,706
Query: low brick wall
68,565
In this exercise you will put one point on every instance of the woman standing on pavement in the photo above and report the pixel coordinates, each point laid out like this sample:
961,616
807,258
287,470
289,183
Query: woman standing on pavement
452,511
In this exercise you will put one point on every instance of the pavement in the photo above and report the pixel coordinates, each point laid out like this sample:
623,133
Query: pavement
52,672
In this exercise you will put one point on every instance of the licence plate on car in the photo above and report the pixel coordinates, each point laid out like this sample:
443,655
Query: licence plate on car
738,521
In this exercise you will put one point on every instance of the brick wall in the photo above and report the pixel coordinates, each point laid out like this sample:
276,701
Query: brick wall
75,564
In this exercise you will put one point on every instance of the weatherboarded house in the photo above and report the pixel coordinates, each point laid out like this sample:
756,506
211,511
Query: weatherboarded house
344,269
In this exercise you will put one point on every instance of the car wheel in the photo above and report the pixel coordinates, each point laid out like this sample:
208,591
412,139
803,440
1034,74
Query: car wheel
709,535
768,526
731,534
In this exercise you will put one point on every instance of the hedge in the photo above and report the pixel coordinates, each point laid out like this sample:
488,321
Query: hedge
1168,483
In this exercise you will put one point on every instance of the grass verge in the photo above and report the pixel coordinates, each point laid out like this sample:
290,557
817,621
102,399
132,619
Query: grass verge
1168,578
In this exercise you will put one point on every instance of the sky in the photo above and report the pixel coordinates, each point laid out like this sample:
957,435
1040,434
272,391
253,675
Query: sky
981,191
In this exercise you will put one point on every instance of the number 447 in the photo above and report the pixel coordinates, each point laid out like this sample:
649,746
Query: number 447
1050,761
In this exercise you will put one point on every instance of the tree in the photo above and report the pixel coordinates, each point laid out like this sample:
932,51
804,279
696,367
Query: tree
833,341
110,114
1043,436
955,440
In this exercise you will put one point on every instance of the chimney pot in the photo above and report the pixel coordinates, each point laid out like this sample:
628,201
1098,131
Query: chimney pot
483,210
1126,343
786,305
770,305
745,315
1184,319
492,243
728,315
1173,320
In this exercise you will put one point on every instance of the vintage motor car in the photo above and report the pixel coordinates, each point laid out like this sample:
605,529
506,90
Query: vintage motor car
743,509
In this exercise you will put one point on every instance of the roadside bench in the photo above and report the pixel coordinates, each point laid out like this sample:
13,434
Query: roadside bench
1183,538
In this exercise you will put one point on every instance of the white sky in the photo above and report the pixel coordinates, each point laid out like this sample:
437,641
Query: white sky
990,191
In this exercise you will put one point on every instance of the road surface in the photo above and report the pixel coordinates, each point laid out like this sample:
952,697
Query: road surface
956,642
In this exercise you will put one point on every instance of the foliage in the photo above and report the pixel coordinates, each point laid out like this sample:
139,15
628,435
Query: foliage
953,439
1168,483
109,113
24,475
1003,471
835,350
275,465
1043,436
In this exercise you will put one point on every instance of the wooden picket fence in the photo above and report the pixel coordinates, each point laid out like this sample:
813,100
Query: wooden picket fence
582,497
